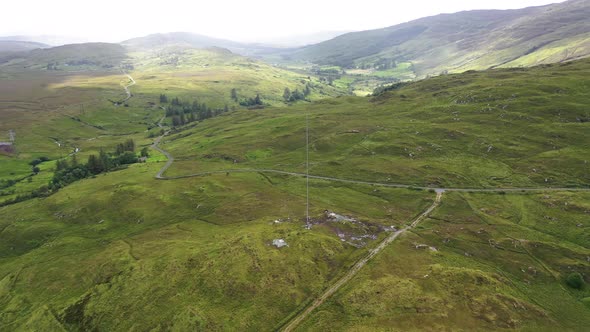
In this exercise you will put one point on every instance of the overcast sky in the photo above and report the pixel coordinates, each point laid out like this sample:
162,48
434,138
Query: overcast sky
246,20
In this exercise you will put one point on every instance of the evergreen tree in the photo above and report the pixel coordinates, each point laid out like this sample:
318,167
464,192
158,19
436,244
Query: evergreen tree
94,164
127,158
287,94
234,94
104,160
61,165
129,145
119,149
144,152
296,95
176,121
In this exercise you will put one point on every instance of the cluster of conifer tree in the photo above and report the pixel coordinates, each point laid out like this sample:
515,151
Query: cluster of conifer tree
248,102
68,171
291,96
71,171
183,112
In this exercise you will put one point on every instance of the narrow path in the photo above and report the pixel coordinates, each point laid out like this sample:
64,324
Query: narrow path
126,87
164,152
359,265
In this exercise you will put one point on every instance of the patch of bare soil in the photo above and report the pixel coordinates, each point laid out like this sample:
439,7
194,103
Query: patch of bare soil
349,229
6,149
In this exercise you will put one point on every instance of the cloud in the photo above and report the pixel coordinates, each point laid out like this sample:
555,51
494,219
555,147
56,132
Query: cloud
116,20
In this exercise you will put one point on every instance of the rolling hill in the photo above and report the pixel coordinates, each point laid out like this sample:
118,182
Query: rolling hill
50,40
19,46
88,56
300,40
123,251
192,40
462,41
10,49
160,40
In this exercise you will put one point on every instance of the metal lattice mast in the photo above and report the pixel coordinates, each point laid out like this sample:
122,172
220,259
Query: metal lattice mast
307,163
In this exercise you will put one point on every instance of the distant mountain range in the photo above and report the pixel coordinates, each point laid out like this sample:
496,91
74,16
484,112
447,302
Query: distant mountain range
465,40
192,40
457,42
19,46
94,56
50,40
302,39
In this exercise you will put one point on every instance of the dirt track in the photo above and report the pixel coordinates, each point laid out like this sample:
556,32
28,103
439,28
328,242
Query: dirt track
293,323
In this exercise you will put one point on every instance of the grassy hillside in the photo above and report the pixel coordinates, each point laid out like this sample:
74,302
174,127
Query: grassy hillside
192,40
54,111
463,41
161,40
10,50
19,46
210,74
73,57
123,251
481,262
499,128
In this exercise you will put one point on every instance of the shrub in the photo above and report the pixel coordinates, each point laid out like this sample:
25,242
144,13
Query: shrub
575,280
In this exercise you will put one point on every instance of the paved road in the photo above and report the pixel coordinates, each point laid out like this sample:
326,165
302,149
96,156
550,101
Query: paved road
379,184
164,152
160,176
356,267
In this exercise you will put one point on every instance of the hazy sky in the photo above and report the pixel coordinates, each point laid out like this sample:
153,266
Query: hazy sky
246,20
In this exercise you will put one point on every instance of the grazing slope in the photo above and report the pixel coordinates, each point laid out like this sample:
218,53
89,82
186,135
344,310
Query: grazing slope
63,99
501,128
465,40
125,251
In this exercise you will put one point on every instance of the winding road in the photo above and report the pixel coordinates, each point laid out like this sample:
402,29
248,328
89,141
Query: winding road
164,152
126,87
160,176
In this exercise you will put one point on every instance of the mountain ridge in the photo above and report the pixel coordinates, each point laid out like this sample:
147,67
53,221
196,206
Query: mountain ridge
465,40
